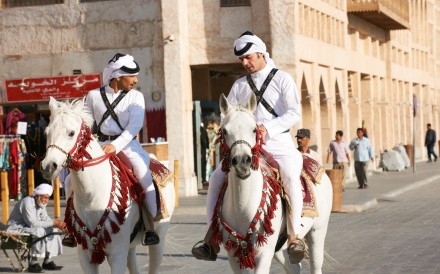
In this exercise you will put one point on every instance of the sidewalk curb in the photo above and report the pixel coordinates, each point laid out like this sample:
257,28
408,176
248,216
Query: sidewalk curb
399,191
362,207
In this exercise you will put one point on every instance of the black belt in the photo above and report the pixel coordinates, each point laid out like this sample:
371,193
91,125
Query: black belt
103,137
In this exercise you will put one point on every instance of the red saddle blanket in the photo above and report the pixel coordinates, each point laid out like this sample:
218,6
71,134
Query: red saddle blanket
161,177
310,174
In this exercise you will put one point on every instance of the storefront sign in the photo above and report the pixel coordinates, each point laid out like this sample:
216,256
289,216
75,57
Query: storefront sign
59,87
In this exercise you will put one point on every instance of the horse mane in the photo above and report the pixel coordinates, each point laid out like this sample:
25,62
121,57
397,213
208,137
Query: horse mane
69,112
236,108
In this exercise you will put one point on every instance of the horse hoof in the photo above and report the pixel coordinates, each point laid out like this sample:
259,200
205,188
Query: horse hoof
204,252
150,238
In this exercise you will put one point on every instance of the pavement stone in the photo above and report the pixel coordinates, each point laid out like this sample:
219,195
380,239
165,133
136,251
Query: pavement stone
188,224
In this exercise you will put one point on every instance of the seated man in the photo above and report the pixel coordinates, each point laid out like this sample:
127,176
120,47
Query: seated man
30,216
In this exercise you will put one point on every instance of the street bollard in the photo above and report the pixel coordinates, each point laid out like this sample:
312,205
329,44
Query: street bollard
56,197
31,182
5,196
336,177
176,183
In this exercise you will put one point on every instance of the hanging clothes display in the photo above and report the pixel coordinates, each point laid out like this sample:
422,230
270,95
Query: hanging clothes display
12,159
12,119
35,140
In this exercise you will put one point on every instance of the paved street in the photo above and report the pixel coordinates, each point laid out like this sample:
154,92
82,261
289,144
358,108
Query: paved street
392,227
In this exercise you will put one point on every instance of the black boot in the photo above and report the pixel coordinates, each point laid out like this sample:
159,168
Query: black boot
150,238
204,252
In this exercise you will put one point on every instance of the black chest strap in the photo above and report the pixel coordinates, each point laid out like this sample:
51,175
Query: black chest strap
110,108
259,93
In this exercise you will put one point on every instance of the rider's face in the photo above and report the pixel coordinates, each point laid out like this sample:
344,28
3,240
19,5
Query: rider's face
253,62
127,82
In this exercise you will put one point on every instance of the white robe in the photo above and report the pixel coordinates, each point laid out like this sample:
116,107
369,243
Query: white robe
28,217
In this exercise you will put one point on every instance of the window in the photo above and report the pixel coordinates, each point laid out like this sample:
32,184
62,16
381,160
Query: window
27,3
234,3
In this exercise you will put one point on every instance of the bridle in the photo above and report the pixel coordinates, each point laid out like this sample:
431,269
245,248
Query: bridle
255,150
75,157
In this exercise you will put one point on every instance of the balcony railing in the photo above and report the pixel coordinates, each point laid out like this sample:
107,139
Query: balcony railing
386,14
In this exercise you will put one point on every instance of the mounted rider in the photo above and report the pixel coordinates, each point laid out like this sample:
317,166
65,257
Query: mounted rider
119,110
278,109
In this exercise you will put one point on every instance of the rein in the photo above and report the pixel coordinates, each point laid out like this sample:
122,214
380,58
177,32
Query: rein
244,246
75,157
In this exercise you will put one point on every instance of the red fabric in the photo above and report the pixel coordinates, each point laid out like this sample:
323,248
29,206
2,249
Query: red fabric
12,119
156,123
13,172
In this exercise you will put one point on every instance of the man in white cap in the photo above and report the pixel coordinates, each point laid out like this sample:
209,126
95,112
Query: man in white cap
278,109
30,216
119,111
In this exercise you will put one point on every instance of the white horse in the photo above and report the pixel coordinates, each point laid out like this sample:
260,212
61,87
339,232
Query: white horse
105,213
245,196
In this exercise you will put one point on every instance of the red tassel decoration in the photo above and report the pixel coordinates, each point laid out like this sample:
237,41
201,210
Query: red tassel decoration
98,257
115,227
247,262
84,243
261,239
107,237
228,244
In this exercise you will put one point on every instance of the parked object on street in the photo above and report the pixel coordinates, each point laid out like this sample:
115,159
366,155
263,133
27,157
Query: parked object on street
392,161
402,151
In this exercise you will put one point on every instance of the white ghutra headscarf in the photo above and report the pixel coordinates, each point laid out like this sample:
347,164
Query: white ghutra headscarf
43,189
249,43
119,65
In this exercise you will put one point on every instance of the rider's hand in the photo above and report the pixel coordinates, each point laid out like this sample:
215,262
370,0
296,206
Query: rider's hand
109,148
263,131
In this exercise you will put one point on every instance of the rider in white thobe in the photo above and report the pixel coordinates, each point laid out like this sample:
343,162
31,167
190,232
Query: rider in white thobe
120,75
282,95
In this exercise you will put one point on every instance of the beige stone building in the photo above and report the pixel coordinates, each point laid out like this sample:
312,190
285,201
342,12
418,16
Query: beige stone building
352,60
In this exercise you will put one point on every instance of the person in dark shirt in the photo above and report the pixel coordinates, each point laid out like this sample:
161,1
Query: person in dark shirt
430,140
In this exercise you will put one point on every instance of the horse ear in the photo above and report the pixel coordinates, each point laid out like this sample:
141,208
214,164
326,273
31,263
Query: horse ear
224,104
53,104
252,103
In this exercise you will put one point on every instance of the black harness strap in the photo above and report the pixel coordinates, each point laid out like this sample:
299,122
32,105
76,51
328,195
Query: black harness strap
110,108
259,93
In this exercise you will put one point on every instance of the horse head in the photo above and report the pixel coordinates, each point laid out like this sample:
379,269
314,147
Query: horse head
239,133
67,123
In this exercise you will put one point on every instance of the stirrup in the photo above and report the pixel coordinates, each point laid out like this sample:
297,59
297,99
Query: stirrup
69,241
297,251
203,251
150,238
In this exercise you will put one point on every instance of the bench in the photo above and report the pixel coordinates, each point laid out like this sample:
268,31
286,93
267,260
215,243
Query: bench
20,244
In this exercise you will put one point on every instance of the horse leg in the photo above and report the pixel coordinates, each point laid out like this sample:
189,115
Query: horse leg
156,251
264,261
283,258
117,259
315,240
84,261
133,268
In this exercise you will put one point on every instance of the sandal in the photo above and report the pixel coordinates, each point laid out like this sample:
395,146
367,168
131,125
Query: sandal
297,251
204,252
150,238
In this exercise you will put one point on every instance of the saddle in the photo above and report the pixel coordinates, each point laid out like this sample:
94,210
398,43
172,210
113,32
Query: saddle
161,177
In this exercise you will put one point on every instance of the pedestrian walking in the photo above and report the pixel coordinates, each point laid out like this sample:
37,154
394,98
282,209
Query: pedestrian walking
338,148
362,155
430,140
